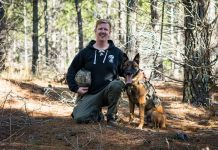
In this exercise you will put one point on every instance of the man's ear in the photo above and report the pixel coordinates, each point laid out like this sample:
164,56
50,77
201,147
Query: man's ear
125,57
137,58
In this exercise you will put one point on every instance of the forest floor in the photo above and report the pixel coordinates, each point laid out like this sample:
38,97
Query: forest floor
35,115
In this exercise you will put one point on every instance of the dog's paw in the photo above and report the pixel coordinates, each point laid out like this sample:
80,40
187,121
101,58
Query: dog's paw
131,120
140,127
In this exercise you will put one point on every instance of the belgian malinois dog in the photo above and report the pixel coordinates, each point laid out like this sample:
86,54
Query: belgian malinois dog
141,93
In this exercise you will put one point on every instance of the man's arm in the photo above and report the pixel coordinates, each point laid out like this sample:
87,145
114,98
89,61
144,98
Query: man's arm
75,65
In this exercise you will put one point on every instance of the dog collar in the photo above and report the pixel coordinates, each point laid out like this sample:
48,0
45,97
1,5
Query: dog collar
135,73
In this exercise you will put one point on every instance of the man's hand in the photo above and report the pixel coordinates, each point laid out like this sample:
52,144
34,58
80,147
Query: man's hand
82,90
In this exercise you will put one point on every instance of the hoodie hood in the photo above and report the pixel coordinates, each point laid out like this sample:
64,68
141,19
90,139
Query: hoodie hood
92,42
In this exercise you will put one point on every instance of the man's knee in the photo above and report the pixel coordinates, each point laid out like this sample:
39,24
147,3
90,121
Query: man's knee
117,85
79,118
85,115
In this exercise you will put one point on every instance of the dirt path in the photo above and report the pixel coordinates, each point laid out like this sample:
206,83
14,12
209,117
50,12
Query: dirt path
36,115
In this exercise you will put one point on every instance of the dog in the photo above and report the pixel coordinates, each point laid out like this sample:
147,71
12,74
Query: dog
156,117
154,110
140,92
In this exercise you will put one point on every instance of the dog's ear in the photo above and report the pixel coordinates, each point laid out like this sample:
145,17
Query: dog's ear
125,57
137,58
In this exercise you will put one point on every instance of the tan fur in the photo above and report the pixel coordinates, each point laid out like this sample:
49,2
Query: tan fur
138,99
158,118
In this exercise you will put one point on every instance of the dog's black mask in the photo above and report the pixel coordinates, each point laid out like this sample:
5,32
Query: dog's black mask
130,68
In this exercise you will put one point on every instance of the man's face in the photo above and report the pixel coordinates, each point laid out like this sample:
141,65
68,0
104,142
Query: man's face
102,32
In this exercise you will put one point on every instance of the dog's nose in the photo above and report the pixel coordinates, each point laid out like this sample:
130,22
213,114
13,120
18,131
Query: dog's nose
128,73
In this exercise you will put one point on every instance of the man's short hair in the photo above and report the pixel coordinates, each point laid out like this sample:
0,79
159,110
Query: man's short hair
100,21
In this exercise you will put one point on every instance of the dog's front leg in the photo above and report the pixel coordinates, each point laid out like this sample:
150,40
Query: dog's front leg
141,115
131,113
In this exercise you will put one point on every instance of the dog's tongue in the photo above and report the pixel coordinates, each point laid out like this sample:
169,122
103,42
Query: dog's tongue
128,79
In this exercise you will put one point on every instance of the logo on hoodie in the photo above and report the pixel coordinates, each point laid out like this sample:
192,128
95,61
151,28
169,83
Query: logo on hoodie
111,58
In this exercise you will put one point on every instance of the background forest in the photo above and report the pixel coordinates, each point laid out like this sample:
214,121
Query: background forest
178,47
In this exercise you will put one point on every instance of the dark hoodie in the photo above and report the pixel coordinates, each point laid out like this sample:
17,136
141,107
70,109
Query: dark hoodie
104,66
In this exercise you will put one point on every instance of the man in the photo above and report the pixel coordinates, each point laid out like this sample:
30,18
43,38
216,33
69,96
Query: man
103,60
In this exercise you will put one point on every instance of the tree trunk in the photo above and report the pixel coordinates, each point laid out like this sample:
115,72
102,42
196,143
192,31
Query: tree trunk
171,9
131,27
35,37
122,20
154,15
80,25
157,63
25,39
197,69
109,10
2,37
46,30
178,69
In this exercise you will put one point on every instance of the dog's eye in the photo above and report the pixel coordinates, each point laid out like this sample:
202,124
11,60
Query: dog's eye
126,65
130,64
135,65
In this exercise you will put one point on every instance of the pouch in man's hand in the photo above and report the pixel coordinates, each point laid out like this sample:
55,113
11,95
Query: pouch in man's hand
83,78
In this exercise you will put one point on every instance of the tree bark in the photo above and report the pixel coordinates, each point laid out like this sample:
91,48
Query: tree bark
35,37
2,37
46,30
131,27
197,69
79,22
122,21
158,62
25,38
